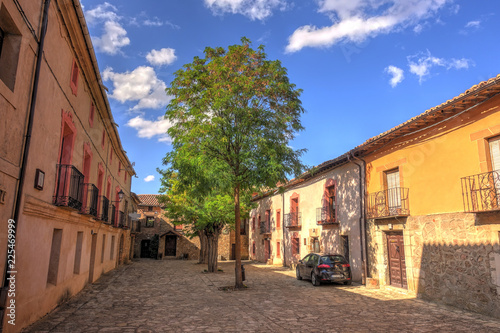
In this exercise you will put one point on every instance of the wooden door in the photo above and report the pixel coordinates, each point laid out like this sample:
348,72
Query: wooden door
170,245
92,257
267,248
145,248
397,264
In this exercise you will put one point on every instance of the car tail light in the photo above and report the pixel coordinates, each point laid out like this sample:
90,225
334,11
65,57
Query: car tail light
323,266
346,265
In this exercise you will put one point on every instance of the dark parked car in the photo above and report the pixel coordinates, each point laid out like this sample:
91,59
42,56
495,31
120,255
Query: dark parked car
320,267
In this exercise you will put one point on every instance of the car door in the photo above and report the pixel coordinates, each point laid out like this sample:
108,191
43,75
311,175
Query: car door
302,266
310,265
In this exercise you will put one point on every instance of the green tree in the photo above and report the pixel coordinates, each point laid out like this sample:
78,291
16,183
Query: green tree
236,112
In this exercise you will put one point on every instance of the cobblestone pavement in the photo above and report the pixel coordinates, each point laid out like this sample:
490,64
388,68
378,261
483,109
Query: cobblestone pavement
175,296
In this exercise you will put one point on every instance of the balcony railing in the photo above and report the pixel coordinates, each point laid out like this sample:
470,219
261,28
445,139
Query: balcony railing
265,227
325,215
69,187
122,221
293,219
392,202
90,199
104,209
113,214
481,193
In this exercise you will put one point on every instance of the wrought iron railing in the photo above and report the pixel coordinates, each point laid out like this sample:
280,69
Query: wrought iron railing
265,227
90,199
481,193
325,215
104,209
69,187
293,219
121,220
389,203
113,214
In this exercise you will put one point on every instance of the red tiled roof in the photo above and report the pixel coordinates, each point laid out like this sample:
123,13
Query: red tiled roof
149,200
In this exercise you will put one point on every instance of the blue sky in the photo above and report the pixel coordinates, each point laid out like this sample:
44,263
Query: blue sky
365,66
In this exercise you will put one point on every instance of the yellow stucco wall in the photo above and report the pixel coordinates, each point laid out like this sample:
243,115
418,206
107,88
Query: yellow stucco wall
433,161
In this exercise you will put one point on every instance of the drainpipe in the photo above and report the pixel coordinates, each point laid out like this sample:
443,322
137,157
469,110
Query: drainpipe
27,140
362,229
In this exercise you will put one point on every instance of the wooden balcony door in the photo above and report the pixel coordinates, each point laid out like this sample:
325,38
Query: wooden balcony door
397,264
267,249
494,144
393,192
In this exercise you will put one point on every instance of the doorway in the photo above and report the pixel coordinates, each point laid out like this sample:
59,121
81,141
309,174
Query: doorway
145,243
396,259
170,246
92,257
267,248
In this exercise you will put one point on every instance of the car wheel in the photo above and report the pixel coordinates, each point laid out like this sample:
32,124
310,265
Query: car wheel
348,283
314,280
297,273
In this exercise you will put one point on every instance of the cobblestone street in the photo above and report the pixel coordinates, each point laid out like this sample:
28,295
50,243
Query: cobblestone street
175,296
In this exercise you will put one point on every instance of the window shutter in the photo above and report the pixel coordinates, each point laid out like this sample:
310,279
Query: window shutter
495,153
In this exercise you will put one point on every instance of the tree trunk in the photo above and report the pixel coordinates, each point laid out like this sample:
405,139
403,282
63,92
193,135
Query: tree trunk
203,247
213,249
237,238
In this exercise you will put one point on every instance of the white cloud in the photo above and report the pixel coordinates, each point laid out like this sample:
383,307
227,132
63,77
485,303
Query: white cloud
140,85
151,128
165,56
156,22
397,75
473,24
356,20
253,9
114,36
149,178
421,64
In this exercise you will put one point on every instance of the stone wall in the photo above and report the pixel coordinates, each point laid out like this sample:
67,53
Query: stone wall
450,258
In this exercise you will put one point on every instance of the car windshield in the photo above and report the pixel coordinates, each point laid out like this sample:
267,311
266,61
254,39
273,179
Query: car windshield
333,260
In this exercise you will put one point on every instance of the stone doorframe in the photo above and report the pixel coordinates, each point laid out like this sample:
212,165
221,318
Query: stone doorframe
384,227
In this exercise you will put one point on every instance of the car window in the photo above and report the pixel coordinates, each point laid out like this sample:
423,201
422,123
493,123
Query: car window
314,259
306,259
333,260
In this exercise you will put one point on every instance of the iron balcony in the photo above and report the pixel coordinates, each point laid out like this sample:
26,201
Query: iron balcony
325,215
293,219
481,192
69,187
90,199
104,209
265,227
113,214
391,202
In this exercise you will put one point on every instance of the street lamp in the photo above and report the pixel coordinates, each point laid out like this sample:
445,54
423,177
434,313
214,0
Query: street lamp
120,195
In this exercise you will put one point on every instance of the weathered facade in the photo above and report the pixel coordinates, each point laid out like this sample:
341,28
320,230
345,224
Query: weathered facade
319,213
64,177
157,237
433,202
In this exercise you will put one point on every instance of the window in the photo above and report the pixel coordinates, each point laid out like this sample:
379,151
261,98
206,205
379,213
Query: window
112,250
103,247
10,45
278,249
150,222
74,78
295,245
494,144
150,208
278,219
268,220
393,191
103,139
91,115
332,204
78,252
253,248
253,223
55,253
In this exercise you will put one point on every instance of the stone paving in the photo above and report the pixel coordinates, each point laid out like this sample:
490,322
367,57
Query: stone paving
175,296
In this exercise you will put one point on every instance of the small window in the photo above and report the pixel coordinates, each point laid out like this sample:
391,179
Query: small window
253,223
278,219
150,222
74,78
278,250
150,208
253,248
103,139
91,115
10,45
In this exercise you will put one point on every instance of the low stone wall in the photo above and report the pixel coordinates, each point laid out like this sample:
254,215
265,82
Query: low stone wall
450,258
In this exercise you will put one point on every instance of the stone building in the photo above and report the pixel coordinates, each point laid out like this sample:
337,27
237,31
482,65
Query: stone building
64,177
433,202
315,213
157,237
